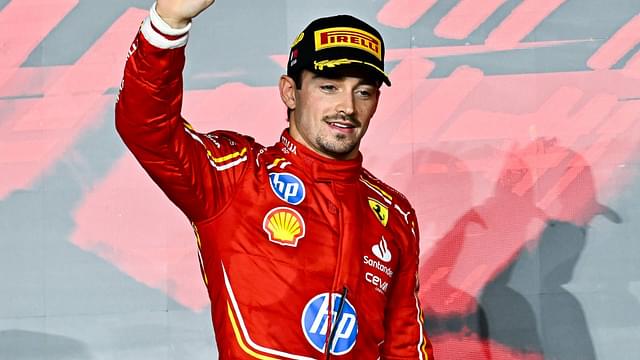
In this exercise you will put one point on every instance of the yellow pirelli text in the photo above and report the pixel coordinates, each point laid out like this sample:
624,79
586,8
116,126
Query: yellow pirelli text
349,37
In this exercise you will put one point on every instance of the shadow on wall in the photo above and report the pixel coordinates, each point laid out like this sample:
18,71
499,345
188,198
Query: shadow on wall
478,247
27,345
544,268
475,305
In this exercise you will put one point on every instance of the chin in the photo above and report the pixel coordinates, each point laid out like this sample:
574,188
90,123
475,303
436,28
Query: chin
338,152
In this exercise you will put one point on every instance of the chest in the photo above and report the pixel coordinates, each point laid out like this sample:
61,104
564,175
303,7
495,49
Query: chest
327,227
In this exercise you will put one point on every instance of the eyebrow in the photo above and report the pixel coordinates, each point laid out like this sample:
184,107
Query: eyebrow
362,81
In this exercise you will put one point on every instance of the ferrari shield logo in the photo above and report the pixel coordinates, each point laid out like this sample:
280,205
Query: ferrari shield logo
380,211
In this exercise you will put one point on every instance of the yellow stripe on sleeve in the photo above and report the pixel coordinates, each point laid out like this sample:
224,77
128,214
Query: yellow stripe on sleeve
230,156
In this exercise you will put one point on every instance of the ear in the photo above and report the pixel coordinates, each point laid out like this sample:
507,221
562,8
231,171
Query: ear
287,91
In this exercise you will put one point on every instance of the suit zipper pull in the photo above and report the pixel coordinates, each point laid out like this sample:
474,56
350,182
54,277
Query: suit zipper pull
334,326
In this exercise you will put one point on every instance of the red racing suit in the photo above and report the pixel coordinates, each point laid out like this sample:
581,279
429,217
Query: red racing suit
297,251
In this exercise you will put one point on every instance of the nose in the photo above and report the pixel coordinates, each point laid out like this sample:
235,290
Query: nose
345,104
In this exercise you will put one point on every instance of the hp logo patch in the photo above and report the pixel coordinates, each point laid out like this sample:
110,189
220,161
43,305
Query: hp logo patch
287,187
315,324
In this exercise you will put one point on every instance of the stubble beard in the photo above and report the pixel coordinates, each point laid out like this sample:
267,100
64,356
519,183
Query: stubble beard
337,146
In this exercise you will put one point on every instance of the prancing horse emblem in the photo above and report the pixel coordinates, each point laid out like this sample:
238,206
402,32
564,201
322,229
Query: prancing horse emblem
380,211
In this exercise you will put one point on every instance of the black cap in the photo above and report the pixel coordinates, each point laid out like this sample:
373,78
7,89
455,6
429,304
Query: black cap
336,43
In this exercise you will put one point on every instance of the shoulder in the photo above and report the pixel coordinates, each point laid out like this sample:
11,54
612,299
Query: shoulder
390,194
230,142
225,149
397,203
221,138
395,212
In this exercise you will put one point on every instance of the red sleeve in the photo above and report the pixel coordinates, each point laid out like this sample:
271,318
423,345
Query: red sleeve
405,337
196,171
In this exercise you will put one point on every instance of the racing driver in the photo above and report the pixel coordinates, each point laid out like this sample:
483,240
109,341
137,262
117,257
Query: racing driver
304,253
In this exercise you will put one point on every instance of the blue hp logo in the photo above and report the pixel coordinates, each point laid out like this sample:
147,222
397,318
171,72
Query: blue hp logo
315,324
287,187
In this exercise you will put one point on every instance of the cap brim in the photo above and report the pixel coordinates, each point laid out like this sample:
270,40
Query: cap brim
347,66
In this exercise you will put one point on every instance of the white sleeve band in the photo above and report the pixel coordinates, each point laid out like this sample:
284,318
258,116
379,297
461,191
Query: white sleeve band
158,40
164,28
156,37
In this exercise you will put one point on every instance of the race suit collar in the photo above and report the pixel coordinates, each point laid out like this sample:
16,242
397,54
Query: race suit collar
317,166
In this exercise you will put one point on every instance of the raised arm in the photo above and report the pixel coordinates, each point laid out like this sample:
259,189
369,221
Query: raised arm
196,171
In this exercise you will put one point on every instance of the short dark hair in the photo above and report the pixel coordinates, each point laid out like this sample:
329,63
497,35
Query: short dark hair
297,78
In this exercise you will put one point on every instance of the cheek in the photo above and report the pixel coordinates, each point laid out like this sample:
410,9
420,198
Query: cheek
366,110
310,105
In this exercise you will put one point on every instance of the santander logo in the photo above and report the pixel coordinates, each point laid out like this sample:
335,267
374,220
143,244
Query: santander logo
381,250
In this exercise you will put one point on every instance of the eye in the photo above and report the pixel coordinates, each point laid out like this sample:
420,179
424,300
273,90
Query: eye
364,92
328,88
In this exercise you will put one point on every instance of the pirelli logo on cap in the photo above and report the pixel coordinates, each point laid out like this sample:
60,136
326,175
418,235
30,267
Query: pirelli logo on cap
350,37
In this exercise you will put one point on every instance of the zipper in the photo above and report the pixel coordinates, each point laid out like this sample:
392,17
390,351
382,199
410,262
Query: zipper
336,274
334,326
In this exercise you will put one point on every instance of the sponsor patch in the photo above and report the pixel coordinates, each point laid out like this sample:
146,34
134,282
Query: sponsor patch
377,265
350,37
381,250
405,214
379,284
287,187
379,210
284,226
289,147
315,323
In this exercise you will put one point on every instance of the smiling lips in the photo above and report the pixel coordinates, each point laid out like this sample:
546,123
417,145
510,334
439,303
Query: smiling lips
342,123
342,126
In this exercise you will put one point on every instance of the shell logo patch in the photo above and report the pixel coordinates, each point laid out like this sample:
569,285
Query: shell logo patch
284,226
380,211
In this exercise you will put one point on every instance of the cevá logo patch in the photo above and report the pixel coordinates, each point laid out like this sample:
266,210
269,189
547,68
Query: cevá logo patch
315,323
287,187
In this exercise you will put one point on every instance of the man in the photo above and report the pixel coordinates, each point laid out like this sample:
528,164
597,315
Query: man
305,255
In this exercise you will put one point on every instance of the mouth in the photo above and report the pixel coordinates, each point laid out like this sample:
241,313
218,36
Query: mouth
342,126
